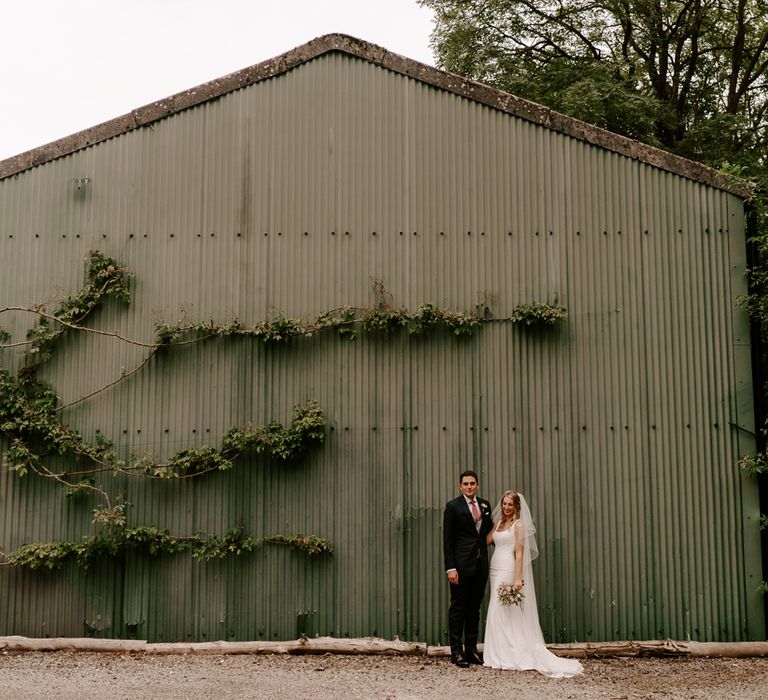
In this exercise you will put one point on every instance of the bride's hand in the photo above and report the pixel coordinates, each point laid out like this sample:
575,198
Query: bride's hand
519,585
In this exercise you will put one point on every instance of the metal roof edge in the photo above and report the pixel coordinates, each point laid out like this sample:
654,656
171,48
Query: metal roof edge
464,87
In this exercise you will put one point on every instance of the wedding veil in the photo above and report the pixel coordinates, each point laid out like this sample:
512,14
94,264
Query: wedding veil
527,528
513,636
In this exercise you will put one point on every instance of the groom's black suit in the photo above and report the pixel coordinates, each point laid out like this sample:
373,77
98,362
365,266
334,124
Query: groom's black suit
465,550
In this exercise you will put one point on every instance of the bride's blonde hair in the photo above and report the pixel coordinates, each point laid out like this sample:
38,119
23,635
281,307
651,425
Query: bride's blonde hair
515,496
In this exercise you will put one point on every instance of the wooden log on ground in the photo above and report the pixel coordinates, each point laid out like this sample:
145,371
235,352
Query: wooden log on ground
647,648
360,645
439,651
729,649
659,648
16,643
629,648
303,645
375,645
221,647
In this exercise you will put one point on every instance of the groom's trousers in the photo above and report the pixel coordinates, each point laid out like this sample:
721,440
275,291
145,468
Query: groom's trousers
464,611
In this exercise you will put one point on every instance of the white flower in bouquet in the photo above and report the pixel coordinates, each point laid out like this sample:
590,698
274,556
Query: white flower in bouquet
509,595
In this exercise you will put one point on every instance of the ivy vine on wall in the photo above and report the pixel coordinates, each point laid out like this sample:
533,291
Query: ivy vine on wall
350,322
757,465
154,541
30,409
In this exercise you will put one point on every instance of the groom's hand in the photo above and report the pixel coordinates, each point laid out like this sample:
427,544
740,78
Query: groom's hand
453,577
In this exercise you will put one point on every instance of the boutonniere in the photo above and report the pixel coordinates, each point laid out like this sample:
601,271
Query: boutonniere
484,507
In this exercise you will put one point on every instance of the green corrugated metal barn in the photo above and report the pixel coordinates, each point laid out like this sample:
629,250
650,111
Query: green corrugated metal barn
341,175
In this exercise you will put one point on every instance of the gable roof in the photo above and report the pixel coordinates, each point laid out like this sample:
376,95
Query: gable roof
497,99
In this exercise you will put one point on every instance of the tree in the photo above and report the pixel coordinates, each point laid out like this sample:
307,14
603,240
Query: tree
668,72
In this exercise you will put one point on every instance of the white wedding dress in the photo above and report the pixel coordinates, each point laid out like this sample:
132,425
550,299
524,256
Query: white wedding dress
513,637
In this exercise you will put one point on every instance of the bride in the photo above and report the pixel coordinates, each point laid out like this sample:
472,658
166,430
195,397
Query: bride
513,637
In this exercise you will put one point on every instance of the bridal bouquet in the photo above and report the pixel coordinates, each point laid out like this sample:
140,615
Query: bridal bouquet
509,595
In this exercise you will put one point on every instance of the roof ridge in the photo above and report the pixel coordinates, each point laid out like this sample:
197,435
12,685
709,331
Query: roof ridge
464,87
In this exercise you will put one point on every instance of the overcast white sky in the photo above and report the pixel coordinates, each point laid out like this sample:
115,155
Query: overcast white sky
71,64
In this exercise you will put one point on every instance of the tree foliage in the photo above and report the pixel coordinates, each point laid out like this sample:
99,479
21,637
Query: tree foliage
672,73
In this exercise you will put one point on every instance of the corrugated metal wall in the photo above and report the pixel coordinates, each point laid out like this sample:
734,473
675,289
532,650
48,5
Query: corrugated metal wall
622,428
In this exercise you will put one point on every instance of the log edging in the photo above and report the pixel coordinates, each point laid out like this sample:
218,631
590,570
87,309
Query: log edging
375,646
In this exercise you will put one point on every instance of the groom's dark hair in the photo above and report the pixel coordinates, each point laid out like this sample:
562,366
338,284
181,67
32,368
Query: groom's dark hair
468,472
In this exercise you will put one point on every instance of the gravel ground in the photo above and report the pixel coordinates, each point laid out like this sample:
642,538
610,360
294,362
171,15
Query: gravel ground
81,675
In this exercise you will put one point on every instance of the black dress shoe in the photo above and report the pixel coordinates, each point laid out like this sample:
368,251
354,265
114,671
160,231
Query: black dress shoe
459,660
472,657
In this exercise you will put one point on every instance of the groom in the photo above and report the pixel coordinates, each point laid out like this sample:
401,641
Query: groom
466,522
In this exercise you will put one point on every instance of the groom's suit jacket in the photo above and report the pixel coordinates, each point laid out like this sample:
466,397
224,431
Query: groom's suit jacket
464,548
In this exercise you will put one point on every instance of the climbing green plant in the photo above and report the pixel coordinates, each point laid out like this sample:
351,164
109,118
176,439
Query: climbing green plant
538,314
39,442
755,303
236,542
284,443
29,411
28,418
383,318
752,465
153,541
105,277
429,316
757,465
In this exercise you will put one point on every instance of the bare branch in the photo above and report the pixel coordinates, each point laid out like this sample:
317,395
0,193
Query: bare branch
122,377
75,327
